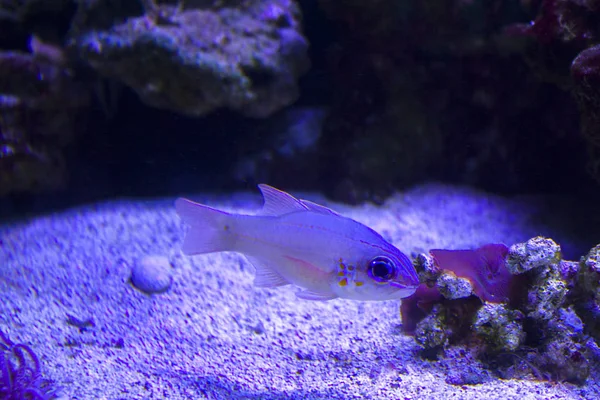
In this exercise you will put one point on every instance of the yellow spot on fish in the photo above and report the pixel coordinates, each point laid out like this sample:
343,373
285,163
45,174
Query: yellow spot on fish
343,282
359,283
341,273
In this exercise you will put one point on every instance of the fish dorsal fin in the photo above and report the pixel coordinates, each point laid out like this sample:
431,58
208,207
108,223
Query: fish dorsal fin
265,275
278,202
318,208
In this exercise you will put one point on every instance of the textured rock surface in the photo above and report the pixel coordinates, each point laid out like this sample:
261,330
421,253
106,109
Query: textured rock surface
198,56
40,108
565,35
437,88
542,320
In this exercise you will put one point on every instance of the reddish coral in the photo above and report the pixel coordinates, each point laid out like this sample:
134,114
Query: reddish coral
417,306
484,267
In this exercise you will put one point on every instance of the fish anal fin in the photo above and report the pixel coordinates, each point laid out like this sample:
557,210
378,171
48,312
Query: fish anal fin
316,296
278,202
265,275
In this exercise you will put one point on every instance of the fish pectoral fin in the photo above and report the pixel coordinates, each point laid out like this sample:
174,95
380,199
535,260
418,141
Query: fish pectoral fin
310,295
265,275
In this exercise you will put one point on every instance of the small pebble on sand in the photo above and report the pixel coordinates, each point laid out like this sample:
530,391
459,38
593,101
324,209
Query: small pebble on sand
152,274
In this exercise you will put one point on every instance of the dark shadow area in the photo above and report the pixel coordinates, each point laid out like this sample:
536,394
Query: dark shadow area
220,387
575,219
134,151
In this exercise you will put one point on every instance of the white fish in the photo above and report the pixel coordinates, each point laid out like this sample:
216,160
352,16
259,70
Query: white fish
294,241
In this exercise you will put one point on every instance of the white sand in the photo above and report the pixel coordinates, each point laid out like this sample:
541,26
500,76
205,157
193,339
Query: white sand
214,335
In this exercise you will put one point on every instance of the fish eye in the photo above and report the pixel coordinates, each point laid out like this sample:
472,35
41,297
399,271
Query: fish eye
382,269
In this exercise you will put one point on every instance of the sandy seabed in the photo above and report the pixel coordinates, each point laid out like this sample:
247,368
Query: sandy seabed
215,336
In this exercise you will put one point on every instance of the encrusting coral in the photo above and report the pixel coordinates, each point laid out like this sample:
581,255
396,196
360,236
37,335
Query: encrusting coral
526,302
197,57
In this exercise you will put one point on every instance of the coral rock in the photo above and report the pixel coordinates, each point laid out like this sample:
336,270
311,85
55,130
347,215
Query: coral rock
587,292
500,326
546,297
550,319
567,358
432,332
41,105
453,287
534,253
198,57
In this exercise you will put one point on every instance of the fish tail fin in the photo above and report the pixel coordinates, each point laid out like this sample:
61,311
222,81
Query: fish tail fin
210,228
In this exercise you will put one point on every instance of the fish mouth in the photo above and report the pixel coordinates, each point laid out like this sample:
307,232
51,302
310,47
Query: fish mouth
403,290
412,282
